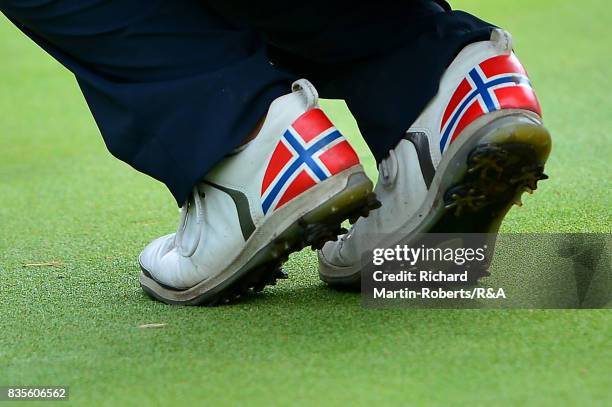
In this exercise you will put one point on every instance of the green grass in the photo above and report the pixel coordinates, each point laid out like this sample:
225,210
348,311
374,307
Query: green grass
64,199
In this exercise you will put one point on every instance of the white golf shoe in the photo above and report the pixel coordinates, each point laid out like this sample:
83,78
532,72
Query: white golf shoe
291,187
473,151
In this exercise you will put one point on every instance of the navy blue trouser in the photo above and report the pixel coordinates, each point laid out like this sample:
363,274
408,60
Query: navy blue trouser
174,85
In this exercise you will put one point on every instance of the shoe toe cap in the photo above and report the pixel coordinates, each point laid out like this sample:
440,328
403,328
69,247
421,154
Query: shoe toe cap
334,268
330,254
152,254
162,261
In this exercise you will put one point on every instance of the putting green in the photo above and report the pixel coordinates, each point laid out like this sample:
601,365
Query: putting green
73,220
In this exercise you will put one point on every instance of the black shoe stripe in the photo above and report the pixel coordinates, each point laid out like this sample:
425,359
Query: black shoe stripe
242,206
421,145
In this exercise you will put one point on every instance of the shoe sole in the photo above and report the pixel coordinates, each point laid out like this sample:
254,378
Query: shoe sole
474,189
350,196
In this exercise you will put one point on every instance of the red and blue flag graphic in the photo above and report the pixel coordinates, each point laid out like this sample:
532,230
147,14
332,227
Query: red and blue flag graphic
498,83
310,151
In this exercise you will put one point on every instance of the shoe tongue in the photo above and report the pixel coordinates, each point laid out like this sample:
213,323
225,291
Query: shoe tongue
189,229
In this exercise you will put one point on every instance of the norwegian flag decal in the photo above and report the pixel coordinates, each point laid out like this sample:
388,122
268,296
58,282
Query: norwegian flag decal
498,83
310,151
